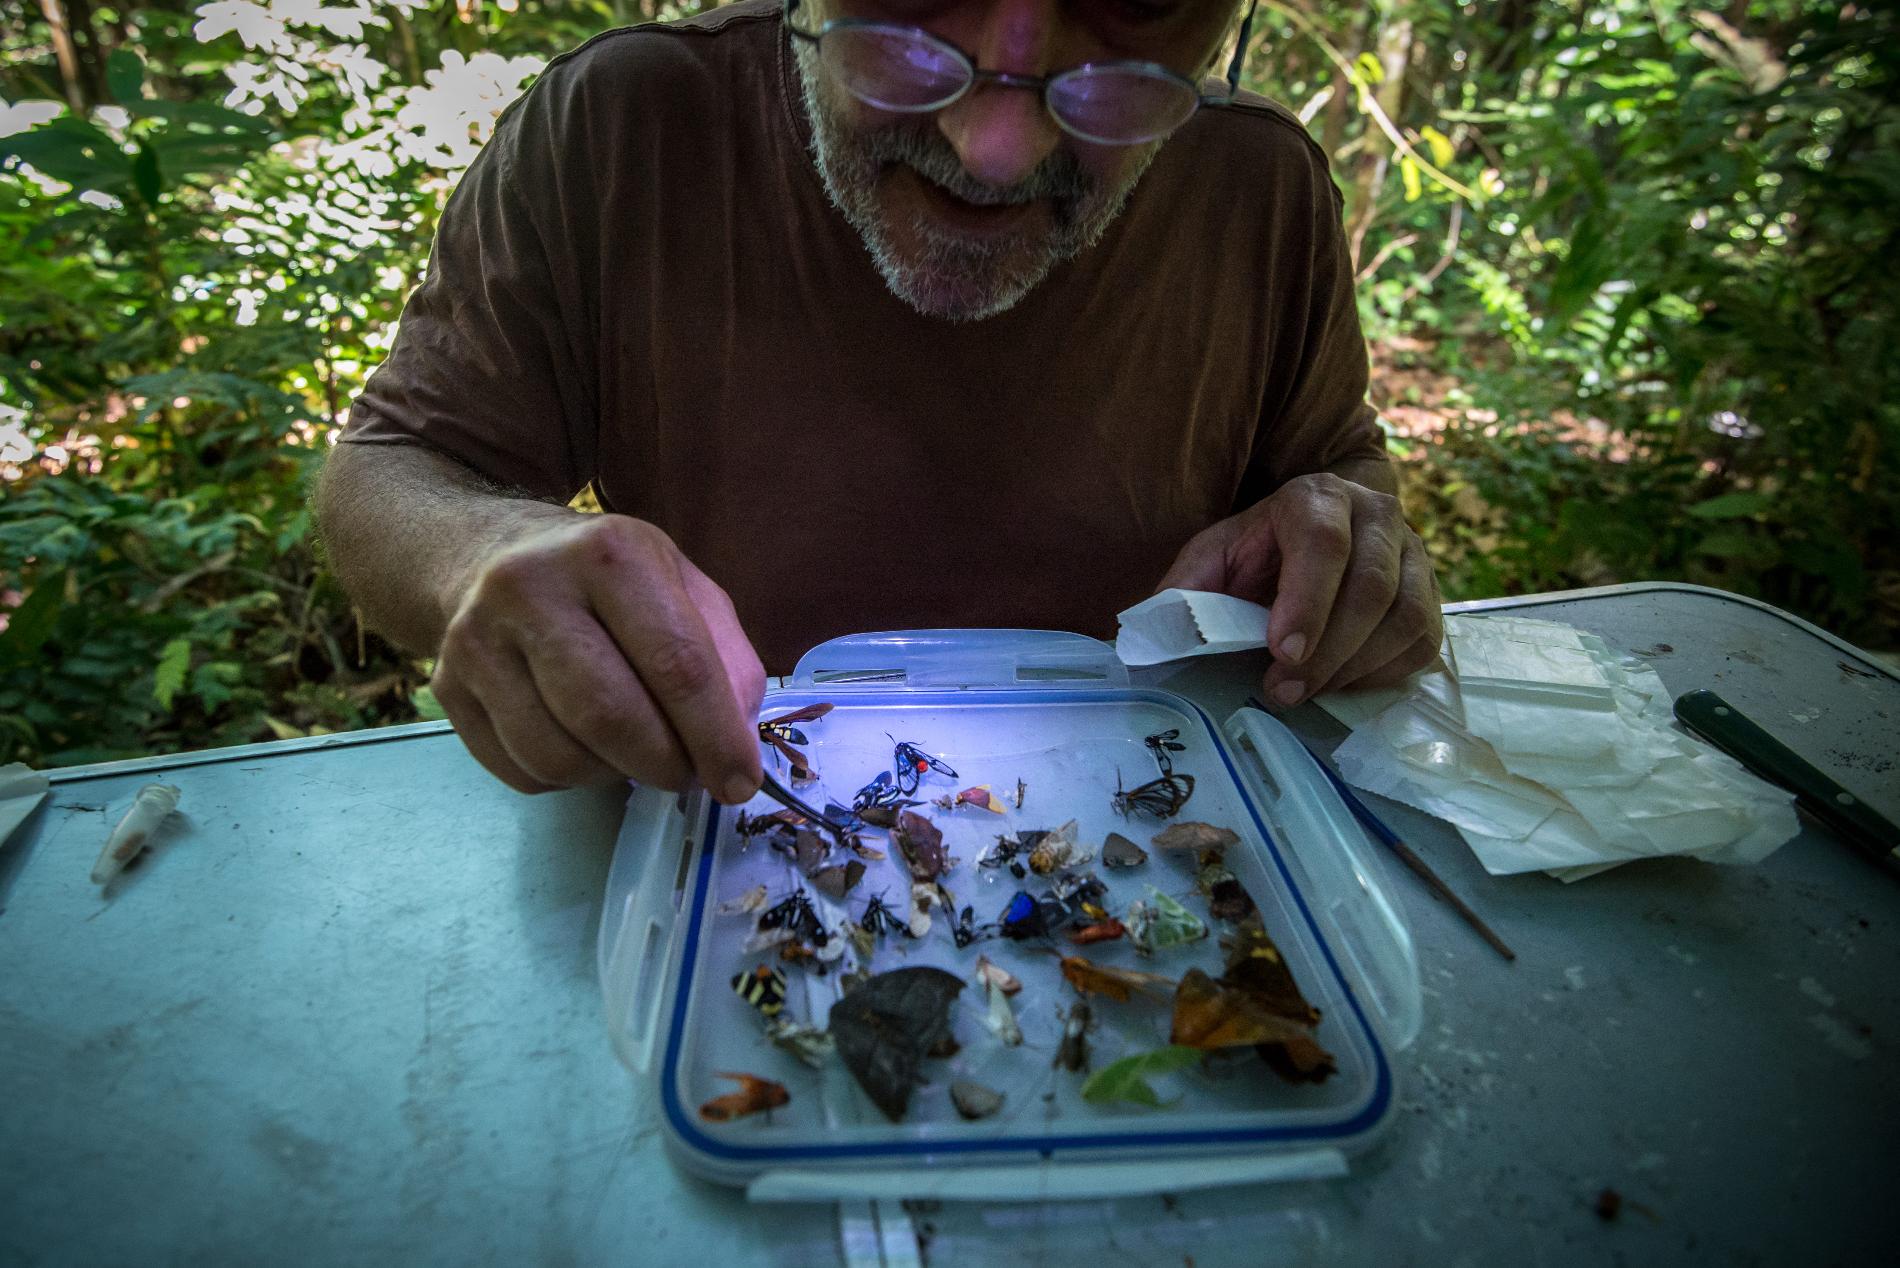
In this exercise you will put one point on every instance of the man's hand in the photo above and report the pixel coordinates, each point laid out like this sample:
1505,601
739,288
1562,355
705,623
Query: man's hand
1352,592
592,650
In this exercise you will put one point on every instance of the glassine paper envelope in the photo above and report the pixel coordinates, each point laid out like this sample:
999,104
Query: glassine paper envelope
1550,753
1178,623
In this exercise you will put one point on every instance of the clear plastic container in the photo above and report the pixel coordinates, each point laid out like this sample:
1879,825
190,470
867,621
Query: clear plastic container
1055,711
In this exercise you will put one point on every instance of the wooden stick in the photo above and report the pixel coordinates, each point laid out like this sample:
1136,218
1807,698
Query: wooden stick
1390,840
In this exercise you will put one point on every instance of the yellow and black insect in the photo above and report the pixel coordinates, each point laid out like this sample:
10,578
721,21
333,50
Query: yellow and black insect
763,988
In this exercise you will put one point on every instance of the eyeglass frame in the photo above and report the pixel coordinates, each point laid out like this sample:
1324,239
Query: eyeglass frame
1040,84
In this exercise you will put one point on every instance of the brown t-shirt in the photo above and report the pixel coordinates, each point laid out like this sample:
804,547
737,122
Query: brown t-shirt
640,285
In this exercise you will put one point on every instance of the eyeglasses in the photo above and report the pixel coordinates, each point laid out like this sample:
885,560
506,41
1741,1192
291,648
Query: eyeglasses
911,71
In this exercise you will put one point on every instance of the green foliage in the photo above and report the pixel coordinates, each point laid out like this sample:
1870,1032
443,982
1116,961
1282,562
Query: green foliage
1665,318
1624,264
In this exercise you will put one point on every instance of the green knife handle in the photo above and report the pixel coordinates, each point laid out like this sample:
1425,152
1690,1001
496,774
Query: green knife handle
1730,730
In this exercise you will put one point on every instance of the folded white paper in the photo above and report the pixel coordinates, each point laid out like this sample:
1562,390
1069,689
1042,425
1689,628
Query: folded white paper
1178,623
1549,752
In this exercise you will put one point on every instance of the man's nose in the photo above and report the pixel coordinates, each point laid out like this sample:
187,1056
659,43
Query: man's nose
1001,133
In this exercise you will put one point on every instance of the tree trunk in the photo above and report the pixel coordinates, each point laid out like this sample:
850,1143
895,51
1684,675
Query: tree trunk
71,75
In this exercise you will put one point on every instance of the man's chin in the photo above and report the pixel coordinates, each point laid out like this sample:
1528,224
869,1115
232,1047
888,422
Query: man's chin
954,276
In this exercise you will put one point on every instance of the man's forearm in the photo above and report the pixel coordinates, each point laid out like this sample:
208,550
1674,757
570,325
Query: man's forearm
405,529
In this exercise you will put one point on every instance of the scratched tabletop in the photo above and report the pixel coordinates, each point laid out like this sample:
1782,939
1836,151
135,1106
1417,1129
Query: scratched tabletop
346,1011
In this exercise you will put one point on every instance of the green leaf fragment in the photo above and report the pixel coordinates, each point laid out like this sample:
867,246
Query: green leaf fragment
1127,1079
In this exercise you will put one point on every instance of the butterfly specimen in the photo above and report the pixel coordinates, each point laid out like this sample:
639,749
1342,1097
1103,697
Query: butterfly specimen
1158,798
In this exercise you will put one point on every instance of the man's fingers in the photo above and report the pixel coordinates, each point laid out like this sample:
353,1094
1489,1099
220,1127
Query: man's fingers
1364,594
662,635
743,668
534,738
1410,617
478,736
1420,654
1202,563
596,698
1313,523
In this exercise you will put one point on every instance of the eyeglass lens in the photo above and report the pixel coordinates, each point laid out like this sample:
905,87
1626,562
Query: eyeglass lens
894,68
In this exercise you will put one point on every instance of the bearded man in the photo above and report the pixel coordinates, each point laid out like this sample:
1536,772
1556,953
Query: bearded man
866,314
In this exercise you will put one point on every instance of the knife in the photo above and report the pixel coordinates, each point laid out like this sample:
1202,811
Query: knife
1850,818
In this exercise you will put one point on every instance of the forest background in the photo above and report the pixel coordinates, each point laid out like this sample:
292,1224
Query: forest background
1628,269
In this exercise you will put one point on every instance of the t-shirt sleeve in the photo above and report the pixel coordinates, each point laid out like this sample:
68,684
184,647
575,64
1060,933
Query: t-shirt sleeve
492,363
1318,415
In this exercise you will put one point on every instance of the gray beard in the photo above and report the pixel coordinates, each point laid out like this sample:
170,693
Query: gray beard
950,276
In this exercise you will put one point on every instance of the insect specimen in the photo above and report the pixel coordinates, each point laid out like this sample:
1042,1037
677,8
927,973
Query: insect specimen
1227,898
887,1026
1210,1014
763,988
884,815
1000,1018
1119,852
996,975
1163,744
1057,849
880,919
1100,931
1022,790
1159,798
745,904
912,764
838,880
797,915
754,1096
1023,918
881,791
784,737
808,1043
921,844
973,1100
1195,836
1072,1053
1004,851
1090,978
799,954
967,931
1159,922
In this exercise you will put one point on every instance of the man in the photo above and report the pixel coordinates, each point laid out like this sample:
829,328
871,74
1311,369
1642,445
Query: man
854,327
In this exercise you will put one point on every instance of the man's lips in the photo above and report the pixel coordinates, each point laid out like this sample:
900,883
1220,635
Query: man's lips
966,217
